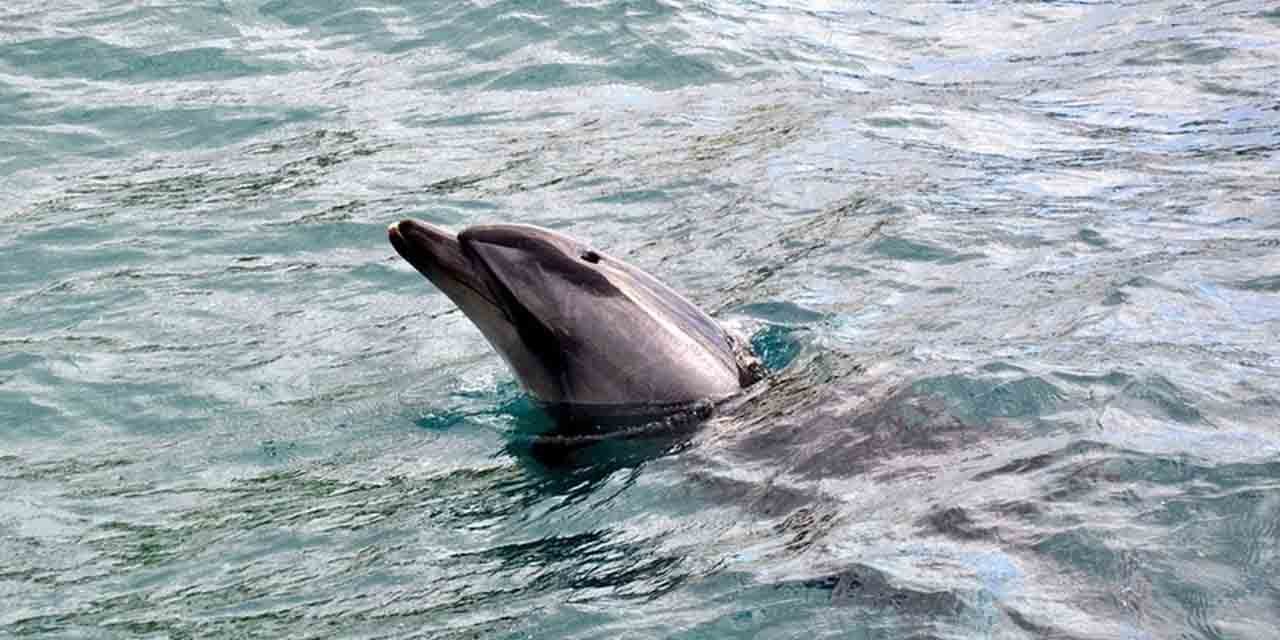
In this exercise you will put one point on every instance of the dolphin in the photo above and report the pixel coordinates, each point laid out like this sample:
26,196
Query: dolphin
590,337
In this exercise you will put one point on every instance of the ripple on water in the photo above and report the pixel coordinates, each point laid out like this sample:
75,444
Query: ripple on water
1011,267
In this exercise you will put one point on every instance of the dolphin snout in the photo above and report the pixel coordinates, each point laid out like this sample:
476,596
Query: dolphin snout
426,246
418,233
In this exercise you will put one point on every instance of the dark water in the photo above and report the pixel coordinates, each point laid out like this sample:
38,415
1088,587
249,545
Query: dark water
1016,267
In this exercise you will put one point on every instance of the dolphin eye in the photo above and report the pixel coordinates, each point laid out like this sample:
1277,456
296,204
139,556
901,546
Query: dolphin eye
591,256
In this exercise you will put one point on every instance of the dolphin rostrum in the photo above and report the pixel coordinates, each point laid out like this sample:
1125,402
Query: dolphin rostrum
587,335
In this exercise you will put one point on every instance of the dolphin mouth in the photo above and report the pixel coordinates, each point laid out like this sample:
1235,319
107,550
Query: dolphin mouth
438,254
460,266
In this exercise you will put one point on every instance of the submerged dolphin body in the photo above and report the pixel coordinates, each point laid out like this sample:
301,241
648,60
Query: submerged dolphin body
588,335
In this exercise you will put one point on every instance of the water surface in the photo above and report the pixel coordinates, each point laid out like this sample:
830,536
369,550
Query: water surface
1015,267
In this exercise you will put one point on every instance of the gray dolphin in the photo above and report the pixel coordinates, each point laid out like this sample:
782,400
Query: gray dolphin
588,335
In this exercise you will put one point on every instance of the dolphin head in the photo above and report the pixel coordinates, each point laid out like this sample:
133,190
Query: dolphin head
576,325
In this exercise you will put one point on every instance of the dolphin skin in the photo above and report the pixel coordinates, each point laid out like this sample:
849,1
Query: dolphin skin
589,336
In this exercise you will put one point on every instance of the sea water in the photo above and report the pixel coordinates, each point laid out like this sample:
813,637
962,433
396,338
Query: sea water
1014,267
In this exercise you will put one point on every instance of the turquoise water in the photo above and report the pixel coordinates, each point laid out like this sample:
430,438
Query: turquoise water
1015,268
